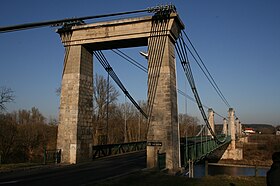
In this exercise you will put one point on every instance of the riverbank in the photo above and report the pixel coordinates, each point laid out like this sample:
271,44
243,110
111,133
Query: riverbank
258,151
152,178
248,162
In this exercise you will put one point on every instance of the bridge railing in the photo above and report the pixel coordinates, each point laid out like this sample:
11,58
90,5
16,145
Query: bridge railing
99,151
52,156
199,147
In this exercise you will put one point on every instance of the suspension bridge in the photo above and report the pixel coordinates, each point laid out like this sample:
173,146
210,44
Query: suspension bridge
163,32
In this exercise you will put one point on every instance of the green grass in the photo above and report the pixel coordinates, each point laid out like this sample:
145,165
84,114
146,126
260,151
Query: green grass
161,179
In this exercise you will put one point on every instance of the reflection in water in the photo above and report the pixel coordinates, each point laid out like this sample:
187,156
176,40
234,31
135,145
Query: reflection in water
199,171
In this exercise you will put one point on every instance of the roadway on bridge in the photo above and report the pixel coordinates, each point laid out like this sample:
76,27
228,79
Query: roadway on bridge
81,174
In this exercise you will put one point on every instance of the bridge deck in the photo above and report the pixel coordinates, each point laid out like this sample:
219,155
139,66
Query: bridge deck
197,148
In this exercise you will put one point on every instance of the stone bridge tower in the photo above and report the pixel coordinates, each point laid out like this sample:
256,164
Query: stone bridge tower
75,130
211,121
232,152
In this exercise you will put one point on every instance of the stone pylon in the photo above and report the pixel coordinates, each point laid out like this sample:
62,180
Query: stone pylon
231,124
211,121
240,128
232,152
225,127
163,131
237,125
75,129
159,33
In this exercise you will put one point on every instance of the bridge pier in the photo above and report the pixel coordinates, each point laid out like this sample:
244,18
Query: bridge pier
211,121
238,127
75,127
225,127
163,131
232,152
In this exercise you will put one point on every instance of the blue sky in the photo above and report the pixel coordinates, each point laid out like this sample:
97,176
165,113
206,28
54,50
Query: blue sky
238,40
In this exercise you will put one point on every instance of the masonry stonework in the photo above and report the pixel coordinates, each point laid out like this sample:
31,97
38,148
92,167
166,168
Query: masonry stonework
75,127
164,123
231,124
75,117
211,121
232,152
225,130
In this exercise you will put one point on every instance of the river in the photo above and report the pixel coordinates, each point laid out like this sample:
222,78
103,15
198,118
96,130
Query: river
199,171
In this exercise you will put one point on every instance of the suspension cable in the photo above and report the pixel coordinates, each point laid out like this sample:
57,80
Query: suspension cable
182,53
145,69
219,114
130,60
156,45
202,128
77,21
207,73
104,62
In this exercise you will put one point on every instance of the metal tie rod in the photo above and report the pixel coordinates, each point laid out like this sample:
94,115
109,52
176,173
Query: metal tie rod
79,20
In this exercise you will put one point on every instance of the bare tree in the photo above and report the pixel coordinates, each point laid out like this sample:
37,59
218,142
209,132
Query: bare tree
24,134
115,128
133,123
100,90
32,132
100,95
6,96
8,131
36,116
188,125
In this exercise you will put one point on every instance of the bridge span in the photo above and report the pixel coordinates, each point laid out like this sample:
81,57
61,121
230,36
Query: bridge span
77,174
163,34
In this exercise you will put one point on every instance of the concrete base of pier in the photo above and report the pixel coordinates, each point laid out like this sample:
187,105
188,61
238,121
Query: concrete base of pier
232,152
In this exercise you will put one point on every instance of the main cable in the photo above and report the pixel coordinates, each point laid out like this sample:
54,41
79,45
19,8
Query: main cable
130,60
145,69
181,51
207,73
80,20
104,62
223,99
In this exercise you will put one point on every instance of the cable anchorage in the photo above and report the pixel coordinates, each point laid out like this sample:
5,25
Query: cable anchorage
69,23
162,9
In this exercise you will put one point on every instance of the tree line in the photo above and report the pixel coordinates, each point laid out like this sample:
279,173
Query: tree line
121,122
25,134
